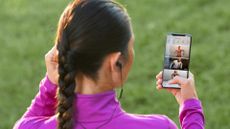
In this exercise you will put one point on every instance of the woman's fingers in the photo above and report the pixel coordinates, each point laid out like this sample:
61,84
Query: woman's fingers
54,52
159,82
159,87
159,75
51,56
52,64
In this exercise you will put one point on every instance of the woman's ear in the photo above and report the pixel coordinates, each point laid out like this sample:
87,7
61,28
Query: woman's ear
115,62
115,66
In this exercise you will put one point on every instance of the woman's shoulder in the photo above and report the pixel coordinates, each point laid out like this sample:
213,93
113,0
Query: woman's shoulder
143,121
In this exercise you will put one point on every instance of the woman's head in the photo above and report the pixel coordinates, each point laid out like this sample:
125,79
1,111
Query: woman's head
94,40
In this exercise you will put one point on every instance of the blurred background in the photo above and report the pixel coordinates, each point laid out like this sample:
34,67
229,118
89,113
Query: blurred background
27,31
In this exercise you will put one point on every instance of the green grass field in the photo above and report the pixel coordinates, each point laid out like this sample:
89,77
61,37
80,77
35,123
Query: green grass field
27,32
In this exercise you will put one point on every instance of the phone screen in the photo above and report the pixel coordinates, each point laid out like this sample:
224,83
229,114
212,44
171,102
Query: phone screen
176,58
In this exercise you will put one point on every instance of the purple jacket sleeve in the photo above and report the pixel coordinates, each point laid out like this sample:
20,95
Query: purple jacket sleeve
191,115
42,108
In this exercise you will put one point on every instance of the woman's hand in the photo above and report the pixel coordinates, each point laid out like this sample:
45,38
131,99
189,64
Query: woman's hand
187,91
52,65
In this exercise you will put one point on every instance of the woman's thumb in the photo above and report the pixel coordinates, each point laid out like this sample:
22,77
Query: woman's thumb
178,80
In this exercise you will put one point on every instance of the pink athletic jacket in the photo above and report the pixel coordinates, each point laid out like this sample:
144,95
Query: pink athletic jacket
103,111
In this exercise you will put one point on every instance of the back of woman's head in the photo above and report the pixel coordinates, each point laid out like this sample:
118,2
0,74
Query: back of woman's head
88,31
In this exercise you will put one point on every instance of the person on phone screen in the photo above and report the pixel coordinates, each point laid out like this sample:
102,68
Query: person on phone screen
174,74
179,52
176,64
92,56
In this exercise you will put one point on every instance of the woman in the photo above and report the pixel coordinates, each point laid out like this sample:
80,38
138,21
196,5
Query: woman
92,56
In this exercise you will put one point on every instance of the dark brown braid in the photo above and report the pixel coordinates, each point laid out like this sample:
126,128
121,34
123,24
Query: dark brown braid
66,88
67,75
88,31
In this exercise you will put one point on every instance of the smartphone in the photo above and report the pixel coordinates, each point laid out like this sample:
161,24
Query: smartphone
176,58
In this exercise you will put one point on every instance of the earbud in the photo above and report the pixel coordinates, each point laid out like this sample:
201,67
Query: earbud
119,64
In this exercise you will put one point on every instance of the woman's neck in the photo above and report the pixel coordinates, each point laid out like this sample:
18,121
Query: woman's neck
86,85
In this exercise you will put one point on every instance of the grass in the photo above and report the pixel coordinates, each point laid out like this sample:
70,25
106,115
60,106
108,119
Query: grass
27,32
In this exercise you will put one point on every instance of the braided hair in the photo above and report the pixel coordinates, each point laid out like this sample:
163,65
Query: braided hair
88,30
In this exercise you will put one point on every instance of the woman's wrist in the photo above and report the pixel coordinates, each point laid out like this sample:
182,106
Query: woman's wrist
50,80
189,100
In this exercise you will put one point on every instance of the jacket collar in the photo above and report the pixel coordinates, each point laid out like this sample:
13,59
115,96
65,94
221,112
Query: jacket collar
97,107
